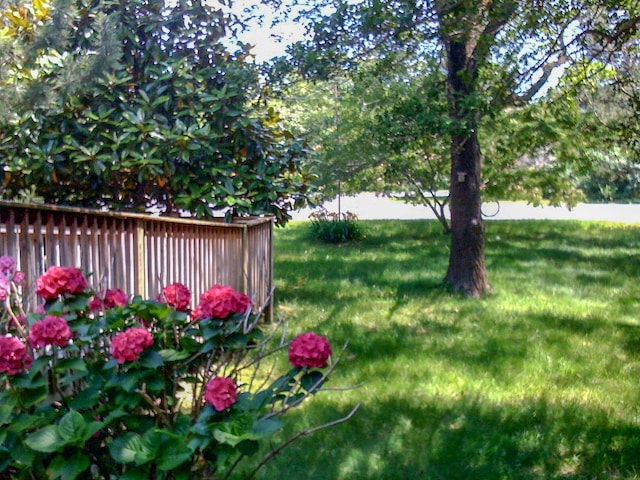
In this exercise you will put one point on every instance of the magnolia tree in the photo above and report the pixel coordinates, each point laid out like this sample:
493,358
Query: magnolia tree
137,105
98,385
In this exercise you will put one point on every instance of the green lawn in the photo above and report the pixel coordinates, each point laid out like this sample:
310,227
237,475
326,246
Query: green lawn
539,380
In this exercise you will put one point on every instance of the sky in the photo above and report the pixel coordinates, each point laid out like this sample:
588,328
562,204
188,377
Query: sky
263,37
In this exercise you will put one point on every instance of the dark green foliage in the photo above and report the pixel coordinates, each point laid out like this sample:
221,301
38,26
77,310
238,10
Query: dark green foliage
614,178
177,124
335,227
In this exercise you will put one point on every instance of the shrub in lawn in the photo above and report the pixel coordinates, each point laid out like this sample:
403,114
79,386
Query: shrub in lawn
98,385
614,177
335,227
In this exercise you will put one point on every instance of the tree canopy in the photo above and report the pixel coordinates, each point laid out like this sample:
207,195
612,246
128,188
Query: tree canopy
138,105
496,58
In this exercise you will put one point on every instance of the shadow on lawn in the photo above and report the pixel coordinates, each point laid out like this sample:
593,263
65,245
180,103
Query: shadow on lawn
598,235
523,257
565,244
418,434
413,250
465,438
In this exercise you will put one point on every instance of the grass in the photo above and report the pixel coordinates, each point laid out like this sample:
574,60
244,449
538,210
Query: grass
538,380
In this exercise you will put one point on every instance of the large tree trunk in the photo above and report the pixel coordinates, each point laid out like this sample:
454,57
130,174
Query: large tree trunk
467,269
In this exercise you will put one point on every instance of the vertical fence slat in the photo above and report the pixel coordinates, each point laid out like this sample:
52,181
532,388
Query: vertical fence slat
141,287
245,259
84,255
74,233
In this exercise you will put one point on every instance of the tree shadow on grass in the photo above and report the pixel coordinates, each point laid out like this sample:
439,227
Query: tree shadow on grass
409,260
562,231
355,272
631,335
416,433
465,438
559,327
600,250
522,258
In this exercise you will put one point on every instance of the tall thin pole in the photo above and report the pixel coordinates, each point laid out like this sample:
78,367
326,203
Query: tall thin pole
335,125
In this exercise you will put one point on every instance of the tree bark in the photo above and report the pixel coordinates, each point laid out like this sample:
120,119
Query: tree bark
467,269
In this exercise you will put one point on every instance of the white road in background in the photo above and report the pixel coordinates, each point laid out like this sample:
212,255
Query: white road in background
369,206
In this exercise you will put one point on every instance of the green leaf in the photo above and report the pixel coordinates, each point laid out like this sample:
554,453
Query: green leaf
173,460
21,454
155,385
38,364
208,346
174,451
257,402
135,474
69,379
112,363
130,117
68,467
22,422
248,447
6,410
151,359
284,383
27,382
266,427
171,355
124,449
128,381
34,396
91,429
71,427
46,440
311,381
210,329
75,363
89,398
227,438
132,448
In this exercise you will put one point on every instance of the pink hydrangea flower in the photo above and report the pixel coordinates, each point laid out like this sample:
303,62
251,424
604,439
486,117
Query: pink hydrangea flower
18,278
95,304
128,345
4,288
7,266
58,281
221,392
309,350
112,298
8,274
220,301
14,358
51,330
177,296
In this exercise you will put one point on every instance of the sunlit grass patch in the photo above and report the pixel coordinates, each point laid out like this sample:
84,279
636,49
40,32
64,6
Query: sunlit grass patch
538,380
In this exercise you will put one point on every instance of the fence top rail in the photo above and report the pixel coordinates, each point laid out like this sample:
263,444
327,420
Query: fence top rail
238,222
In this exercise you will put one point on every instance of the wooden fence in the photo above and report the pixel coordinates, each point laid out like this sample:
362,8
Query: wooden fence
138,253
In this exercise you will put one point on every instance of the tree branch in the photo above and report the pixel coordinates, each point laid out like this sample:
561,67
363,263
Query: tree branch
498,22
622,32
301,434
547,70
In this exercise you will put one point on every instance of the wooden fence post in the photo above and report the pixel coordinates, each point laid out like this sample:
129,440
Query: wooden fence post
141,259
245,258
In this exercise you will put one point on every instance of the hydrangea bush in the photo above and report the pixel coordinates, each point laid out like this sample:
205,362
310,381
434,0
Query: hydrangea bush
101,386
